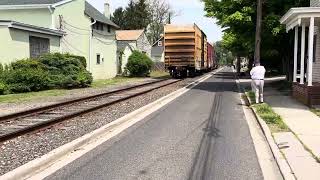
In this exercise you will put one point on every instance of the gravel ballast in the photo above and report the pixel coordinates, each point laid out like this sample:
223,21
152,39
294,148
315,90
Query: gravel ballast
18,151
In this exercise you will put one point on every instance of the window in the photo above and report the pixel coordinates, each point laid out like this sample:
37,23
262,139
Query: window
109,29
38,46
98,26
98,59
159,43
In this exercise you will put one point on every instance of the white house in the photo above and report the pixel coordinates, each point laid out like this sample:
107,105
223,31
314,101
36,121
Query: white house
305,22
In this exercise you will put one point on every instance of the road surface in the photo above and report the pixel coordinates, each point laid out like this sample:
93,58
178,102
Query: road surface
202,135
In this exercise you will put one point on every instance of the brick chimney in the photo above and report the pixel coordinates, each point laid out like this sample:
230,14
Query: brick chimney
107,9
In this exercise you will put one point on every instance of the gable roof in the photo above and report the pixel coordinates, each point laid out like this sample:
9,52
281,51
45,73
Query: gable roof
89,9
97,15
24,2
129,35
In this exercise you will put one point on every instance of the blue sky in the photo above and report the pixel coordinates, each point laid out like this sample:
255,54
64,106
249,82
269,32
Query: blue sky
191,11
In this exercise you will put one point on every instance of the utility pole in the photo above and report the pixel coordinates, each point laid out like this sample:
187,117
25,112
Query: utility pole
257,52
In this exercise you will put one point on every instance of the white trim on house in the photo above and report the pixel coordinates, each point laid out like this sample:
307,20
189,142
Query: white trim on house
61,3
31,28
26,6
34,6
295,16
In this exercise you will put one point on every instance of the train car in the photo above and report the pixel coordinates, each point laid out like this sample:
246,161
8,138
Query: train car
185,50
211,64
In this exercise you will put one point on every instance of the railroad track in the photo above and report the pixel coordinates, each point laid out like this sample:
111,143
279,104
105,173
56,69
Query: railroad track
14,125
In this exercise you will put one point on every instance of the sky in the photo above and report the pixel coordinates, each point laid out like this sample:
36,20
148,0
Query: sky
190,11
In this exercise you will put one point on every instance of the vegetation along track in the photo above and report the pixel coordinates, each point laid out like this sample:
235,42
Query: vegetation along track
20,123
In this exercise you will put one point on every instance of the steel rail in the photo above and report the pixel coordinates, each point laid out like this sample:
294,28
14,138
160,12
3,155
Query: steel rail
48,107
49,123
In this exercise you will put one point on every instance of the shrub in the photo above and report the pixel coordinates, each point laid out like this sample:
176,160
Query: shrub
25,76
139,64
3,88
66,71
49,71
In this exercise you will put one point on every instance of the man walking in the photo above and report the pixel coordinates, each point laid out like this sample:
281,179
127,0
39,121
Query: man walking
257,75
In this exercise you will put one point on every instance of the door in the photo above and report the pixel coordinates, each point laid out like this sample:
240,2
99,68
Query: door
38,46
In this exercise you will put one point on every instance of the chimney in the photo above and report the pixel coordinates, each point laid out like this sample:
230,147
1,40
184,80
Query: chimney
107,9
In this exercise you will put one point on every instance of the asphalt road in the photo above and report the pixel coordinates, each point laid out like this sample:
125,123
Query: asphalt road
203,135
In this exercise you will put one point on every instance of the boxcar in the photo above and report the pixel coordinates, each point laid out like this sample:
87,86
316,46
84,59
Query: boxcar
185,50
210,57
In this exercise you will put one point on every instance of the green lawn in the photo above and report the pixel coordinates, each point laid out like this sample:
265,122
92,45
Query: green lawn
24,97
159,74
273,120
113,81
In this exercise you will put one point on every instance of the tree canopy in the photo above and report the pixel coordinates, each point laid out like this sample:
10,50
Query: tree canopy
150,15
238,19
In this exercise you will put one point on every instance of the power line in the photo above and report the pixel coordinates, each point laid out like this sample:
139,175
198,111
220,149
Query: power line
75,26
77,32
67,43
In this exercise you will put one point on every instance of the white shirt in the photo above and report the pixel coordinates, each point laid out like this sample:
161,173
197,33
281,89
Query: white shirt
258,73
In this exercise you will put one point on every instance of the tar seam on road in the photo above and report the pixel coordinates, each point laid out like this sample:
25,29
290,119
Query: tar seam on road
203,160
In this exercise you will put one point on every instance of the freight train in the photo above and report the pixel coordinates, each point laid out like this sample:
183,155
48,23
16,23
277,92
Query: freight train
187,51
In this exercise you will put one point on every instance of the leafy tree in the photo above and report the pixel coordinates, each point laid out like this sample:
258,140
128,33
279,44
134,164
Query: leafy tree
135,16
118,17
160,15
238,18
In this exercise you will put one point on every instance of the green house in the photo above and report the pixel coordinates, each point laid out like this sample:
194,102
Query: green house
29,28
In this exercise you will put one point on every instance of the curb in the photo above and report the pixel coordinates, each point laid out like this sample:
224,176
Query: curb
38,165
282,163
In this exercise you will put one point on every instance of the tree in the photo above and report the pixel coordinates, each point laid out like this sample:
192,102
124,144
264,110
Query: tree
258,32
118,17
137,15
238,18
160,14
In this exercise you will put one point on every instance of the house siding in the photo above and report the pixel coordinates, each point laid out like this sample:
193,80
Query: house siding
15,44
315,3
107,48
70,18
316,64
37,17
77,28
144,45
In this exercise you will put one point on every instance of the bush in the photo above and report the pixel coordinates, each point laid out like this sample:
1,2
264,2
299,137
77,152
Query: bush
139,64
3,88
48,72
25,76
66,71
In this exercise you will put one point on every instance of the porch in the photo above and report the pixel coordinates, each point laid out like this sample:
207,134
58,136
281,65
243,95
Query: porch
306,71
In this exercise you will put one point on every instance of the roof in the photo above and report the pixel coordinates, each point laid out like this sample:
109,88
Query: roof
97,15
24,2
295,16
89,9
31,28
129,35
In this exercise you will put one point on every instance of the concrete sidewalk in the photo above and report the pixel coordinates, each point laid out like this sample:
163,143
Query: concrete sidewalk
301,147
298,117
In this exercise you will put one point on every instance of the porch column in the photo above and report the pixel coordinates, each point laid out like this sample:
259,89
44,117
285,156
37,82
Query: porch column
303,40
295,64
310,47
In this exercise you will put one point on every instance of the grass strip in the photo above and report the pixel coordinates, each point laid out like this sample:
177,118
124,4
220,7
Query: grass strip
273,120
